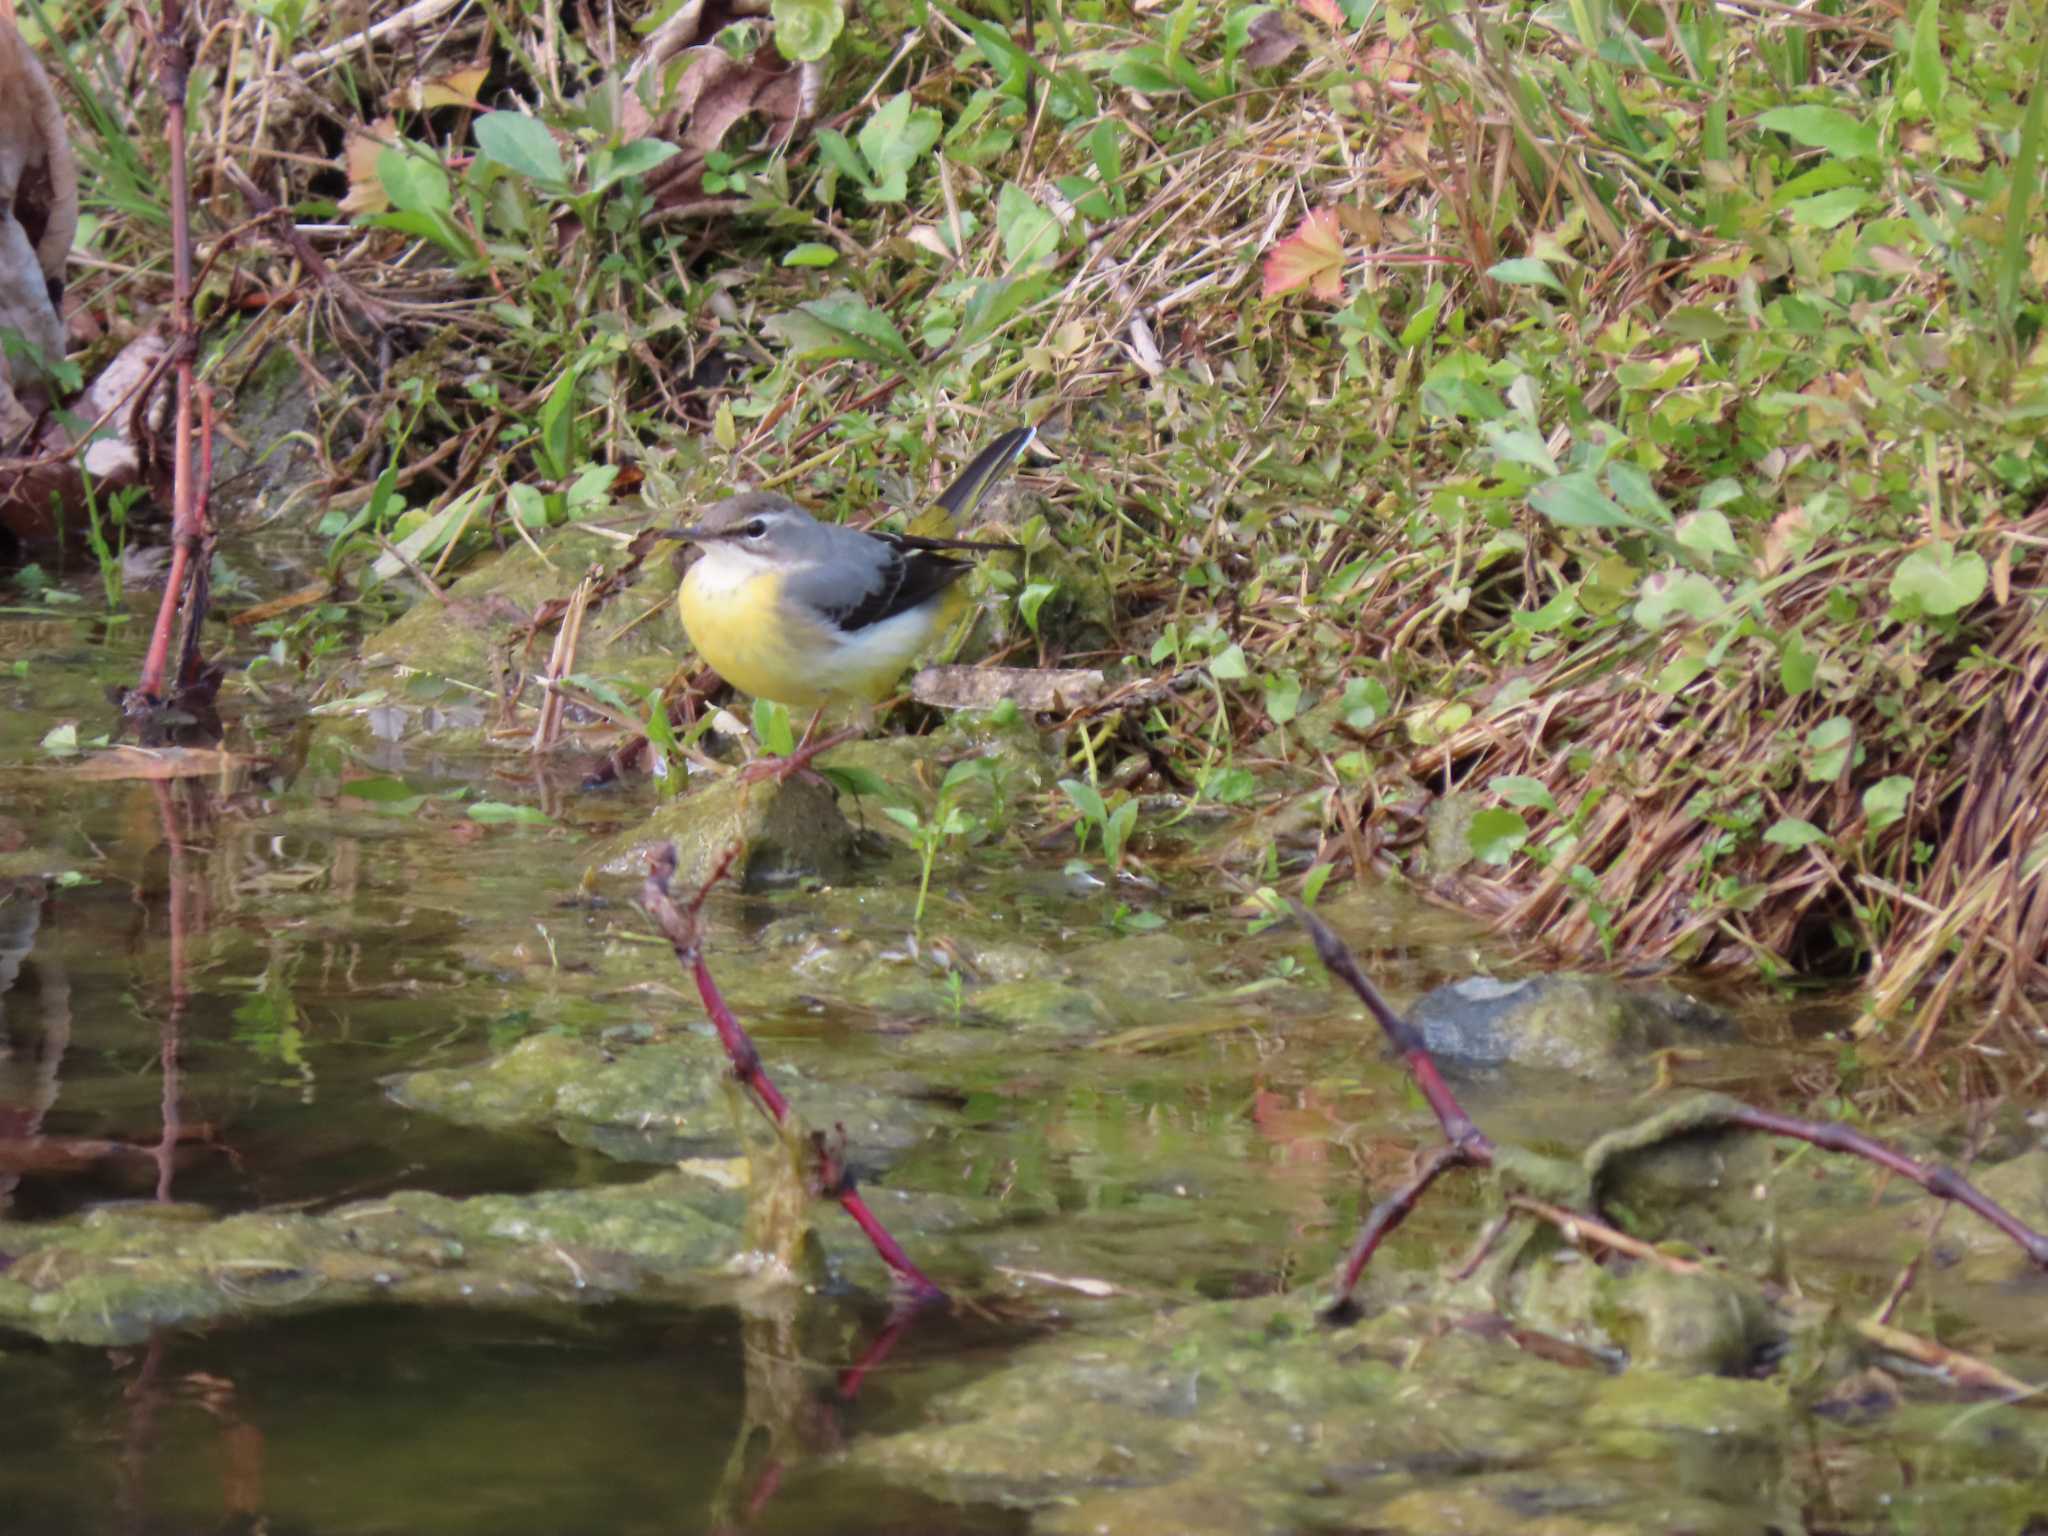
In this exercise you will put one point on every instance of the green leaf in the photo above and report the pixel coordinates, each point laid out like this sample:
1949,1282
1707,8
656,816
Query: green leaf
1576,501
891,142
1283,697
608,167
805,30
1707,533
994,303
1521,790
841,325
1670,595
1514,444
1829,208
1829,747
1525,272
1828,128
377,791
1634,490
1797,666
1791,832
1229,665
526,504
1930,76
861,783
522,144
1885,801
810,254
497,811
556,446
414,183
1087,800
1105,147
1229,786
1940,578
1496,835
771,728
843,157
1031,236
1031,599
1366,703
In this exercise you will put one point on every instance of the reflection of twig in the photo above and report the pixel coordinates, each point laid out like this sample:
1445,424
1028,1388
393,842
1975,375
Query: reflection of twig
833,1178
174,1014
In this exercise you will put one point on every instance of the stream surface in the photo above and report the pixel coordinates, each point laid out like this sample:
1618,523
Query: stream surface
367,1063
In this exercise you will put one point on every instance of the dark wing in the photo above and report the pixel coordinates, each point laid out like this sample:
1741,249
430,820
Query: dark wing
909,576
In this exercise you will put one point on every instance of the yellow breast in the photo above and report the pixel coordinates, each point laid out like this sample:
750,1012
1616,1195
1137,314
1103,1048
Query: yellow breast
736,629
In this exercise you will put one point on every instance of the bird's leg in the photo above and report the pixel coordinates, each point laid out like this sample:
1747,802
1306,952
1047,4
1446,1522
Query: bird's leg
783,769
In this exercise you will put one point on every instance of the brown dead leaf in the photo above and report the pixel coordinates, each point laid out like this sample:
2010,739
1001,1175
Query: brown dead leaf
1272,40
158,763
457,88
1312,258
305,597
359,160
1041,690
693,93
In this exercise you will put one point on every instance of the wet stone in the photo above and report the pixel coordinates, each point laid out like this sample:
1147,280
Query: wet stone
1592,1026
786,832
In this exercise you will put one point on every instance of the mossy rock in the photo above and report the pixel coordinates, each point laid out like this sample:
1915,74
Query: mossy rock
466,637
786,832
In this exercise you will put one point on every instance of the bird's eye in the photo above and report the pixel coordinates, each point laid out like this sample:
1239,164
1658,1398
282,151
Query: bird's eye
758,528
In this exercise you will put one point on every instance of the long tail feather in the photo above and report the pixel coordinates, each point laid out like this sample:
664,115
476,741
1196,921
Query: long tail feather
968,487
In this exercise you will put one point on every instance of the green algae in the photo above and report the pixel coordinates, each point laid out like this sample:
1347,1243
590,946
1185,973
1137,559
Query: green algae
114,1274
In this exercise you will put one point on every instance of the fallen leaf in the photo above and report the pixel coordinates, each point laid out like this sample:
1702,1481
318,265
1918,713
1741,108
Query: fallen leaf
691,93
457,88
1080,1283
1271,40
158,763
359,158
1312,257
305,597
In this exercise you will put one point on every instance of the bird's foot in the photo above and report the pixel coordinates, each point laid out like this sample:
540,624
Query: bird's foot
798,763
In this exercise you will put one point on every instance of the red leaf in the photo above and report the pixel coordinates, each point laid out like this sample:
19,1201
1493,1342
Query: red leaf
1312,258
1327,13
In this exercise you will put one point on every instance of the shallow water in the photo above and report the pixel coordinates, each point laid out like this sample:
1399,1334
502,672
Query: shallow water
206,1011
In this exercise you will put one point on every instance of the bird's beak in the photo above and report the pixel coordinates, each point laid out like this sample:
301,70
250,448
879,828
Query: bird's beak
689,535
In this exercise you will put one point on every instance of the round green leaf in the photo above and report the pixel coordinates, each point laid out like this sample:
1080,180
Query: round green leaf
805,30
1940,578
809,254
1791,832
1496,835
1886,800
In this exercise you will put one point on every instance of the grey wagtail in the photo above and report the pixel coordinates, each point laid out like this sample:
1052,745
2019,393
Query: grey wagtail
813,614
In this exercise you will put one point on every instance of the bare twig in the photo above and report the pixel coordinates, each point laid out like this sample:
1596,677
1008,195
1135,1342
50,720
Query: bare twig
187,533
680,924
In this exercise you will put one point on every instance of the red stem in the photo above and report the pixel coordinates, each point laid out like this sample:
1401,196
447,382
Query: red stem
834,1178
173,75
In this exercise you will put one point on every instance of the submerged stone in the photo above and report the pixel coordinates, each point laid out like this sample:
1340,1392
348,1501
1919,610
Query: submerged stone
653,1101
1589,1025
1251,1417
111,1276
